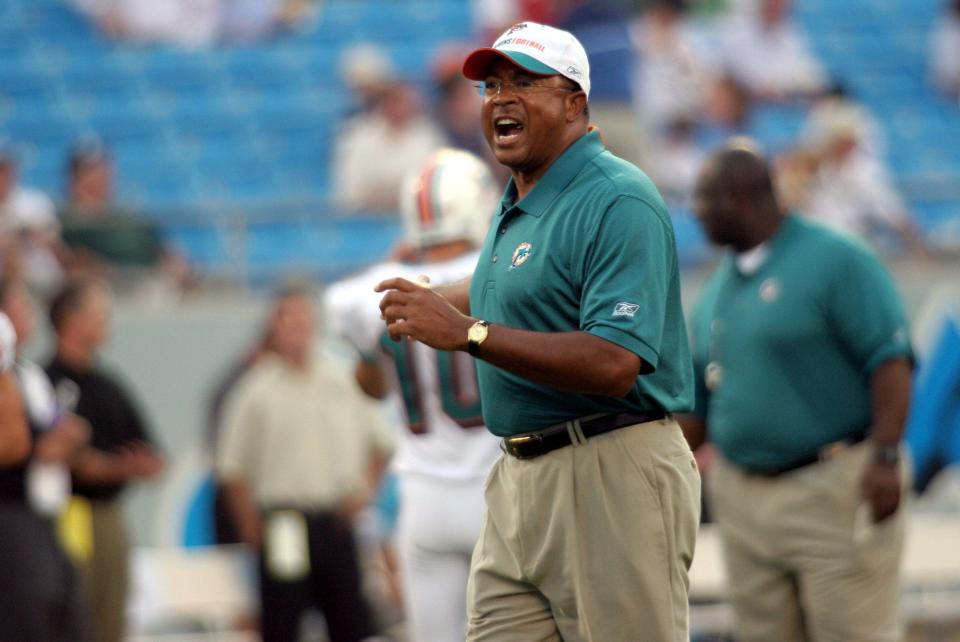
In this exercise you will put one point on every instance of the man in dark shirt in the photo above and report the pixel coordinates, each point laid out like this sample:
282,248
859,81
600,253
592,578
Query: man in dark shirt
120,450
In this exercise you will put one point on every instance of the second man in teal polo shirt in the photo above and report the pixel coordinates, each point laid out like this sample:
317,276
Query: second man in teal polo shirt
803,364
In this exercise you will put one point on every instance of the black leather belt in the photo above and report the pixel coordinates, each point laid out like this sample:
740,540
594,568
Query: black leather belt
824,454
533,444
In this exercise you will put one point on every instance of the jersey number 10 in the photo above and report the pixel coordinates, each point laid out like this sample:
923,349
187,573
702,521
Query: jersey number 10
456,389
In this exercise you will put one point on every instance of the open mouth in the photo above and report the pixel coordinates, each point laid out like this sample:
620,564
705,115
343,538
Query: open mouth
507,130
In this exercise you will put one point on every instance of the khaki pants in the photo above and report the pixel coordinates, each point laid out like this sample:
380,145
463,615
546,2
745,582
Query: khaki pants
588,543
107,572
802,565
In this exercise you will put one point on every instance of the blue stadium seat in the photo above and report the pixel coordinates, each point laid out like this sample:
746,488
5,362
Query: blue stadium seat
95,75
203,246
158,187
118,125
179,72
40,128
18,81
44,169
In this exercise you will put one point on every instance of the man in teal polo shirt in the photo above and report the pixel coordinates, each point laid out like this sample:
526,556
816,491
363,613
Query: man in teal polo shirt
803,366
574,315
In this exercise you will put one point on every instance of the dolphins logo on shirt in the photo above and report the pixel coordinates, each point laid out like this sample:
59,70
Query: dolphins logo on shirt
520,255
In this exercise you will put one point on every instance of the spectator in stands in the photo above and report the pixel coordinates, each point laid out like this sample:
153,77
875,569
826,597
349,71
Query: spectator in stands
188,23
676,162
872,139
768,53
726,112
368,71
43,599
803,365
493,17
375,152
458,106
670,78
29,229
193,23
253,20
104,237
300,455
851,188
945,50
120,451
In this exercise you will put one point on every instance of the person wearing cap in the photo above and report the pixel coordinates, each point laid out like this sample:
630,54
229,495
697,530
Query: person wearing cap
30,242
851,188
573,313
803,365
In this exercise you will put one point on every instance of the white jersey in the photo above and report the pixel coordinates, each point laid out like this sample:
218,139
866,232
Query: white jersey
8,344
445,437
48,483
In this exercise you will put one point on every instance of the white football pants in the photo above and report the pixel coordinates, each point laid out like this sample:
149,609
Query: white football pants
438,527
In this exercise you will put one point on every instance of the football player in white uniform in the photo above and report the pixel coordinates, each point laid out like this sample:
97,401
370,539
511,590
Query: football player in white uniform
446,452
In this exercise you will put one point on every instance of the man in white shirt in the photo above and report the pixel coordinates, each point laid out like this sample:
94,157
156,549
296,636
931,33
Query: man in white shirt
770,55
376,150
29,229
852,189
945,50
300,453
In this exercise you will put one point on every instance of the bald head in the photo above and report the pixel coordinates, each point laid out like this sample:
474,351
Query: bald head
734,197
744,171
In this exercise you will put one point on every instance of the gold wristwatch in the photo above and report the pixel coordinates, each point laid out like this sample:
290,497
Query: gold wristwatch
476,335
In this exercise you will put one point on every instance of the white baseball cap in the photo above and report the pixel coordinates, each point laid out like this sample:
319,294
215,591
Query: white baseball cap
537,48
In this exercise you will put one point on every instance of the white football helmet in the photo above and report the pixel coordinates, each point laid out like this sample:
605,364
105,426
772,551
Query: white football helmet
451,197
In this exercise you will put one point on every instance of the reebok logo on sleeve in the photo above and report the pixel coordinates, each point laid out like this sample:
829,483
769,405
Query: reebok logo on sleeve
624,309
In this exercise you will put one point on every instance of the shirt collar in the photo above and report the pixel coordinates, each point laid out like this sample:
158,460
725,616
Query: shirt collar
557,177
749,263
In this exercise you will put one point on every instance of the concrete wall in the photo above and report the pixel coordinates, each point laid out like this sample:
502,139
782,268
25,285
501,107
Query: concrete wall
173,355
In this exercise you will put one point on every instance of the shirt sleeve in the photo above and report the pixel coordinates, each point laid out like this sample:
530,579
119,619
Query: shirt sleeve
353,314
8,344
867,313
626,278
233,457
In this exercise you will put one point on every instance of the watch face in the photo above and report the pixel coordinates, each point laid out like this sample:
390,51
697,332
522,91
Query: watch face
477,333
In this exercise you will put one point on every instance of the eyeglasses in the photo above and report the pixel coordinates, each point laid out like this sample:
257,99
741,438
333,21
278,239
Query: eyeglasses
492,88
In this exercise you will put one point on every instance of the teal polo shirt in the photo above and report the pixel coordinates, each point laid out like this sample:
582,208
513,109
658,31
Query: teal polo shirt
790,348
590,248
